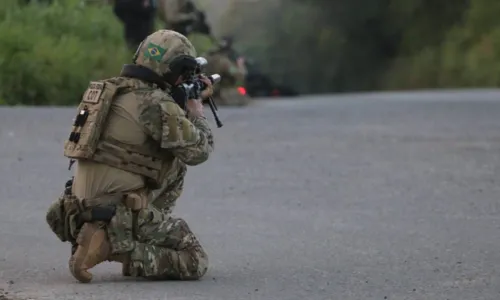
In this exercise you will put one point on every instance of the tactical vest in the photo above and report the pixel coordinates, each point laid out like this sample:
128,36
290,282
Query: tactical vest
86,142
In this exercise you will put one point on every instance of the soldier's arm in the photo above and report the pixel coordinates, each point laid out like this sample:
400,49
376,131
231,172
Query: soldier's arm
189,139
201,145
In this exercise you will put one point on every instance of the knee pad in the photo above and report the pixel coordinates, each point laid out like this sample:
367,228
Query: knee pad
155,262
154,227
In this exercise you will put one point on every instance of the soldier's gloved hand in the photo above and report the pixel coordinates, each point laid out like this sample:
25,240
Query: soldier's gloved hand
209,90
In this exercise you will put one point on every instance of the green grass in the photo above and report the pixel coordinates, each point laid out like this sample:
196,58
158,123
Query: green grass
49,53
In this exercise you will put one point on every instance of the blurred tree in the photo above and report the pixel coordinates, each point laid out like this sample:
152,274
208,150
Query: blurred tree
344,45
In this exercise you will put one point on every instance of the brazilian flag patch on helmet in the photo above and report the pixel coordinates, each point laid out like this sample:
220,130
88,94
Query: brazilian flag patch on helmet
154,52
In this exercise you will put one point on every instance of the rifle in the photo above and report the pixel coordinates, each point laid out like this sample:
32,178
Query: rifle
194,86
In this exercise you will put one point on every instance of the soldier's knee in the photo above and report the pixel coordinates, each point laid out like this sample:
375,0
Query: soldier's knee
196,262
202,266
158,263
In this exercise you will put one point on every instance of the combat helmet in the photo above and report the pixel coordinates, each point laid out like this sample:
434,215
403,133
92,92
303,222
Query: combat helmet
165,52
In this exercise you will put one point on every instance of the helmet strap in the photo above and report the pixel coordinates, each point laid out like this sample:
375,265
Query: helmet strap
143,73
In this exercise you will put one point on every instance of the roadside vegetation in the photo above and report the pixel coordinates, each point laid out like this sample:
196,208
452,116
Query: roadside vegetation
49,53
357,45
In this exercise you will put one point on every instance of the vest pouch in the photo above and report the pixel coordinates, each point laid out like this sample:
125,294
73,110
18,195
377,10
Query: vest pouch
55,217
63,218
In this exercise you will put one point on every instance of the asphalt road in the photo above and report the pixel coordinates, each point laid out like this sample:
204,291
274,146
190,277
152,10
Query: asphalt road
356,197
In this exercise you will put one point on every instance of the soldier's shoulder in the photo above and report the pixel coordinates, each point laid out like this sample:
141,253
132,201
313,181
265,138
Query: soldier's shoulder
124,84
151,96
118,80
149,107
171,108
159,100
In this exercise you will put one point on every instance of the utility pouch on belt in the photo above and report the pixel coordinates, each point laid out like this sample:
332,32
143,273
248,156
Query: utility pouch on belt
90,120
66,215
62,218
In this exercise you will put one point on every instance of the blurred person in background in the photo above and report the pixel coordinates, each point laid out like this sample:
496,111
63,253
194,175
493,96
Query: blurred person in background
226,47
225,61
138,18
178,15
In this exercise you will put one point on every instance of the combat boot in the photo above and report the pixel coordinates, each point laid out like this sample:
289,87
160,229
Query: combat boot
93,249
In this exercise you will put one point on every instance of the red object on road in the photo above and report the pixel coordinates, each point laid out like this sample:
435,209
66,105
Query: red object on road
242,90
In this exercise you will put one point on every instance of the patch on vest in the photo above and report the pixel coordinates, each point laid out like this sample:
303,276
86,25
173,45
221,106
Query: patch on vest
90,120
93,93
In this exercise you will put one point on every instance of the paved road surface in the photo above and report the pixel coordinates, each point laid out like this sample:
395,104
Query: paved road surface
383,196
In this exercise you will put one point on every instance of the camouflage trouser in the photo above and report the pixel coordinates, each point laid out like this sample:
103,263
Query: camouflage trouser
160,246
229,96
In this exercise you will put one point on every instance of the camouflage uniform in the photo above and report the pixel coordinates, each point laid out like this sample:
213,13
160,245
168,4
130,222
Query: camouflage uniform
146,143
226,93
164,198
